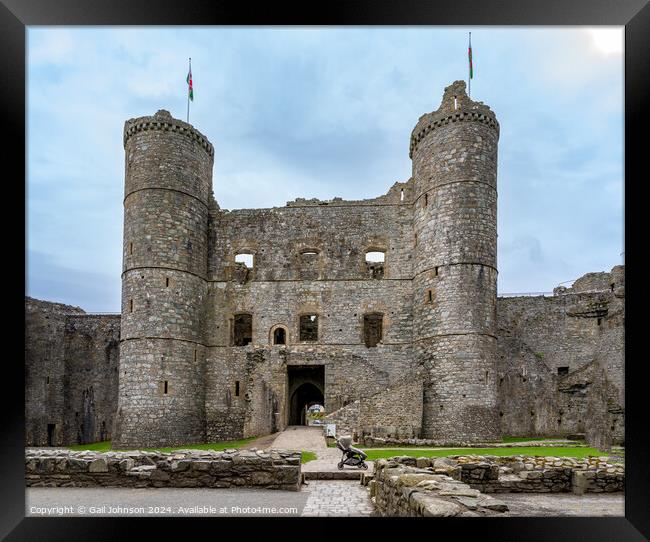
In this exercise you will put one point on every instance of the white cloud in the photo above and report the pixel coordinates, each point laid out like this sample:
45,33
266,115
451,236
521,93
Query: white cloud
608,40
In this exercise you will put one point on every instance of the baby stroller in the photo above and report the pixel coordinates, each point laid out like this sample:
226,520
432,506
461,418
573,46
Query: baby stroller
351,456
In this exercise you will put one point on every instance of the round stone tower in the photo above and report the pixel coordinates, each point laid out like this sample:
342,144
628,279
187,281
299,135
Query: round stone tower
454,154
168,185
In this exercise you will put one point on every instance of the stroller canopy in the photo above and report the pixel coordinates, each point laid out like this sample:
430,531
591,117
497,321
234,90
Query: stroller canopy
346,441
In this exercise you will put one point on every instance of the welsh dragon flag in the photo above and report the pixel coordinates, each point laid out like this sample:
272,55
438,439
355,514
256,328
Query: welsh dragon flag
189,82
469,54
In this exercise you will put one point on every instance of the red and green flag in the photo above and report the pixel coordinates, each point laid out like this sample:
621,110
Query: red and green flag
189,82
469,54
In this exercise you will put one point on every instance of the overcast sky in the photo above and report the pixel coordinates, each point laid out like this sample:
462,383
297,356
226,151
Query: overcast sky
323,112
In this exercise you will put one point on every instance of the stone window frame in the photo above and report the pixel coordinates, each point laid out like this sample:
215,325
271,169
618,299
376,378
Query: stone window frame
375,247
309,249
318,327
231,328
286,334
245,251
363,327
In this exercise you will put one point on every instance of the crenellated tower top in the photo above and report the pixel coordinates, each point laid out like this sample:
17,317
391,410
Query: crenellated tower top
456,106
163,120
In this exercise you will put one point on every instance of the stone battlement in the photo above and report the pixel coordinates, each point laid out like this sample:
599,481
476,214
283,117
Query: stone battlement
456,106
162,120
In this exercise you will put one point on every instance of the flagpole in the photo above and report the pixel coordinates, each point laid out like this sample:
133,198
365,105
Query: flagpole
469,71
188,95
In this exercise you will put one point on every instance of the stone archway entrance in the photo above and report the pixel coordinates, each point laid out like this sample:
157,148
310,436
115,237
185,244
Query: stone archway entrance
306,387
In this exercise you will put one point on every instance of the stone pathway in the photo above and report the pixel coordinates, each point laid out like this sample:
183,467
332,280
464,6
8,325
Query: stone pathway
298,437
337,498
301,438
564,504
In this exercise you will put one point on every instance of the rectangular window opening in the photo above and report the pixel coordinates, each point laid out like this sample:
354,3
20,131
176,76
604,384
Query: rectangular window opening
167,282
309,327
130,249
242,329
130,305
246,258
426,199
429,296
166,387
562,371
236,388
372,329
309,264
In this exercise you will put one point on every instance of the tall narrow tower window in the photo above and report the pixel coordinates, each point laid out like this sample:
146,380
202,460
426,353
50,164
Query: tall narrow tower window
131,249
167,282
236,388
401,195
130,305
372,329
426,199
166,387
455,102
242,329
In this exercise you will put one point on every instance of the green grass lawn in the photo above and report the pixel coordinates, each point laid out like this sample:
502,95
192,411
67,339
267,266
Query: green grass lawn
524,439
105,446
375,453
306,457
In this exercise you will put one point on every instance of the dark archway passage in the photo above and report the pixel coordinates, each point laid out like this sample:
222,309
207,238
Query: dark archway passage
306,387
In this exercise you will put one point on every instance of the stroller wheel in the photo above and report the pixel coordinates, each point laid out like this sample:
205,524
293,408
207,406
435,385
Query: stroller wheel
364,466
340,465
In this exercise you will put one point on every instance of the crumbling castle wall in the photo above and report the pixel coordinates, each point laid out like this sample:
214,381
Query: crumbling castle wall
556,354
71,379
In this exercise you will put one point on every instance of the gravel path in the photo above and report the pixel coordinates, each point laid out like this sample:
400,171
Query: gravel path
564,504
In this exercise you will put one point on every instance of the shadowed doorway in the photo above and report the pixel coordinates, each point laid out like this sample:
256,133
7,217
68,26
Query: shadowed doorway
306,387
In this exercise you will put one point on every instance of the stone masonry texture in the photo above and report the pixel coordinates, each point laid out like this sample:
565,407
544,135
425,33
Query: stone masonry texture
196,355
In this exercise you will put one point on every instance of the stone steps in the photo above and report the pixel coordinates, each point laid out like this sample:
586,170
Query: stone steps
333,475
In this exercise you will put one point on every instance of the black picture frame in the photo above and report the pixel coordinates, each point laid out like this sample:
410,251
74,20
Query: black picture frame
16,15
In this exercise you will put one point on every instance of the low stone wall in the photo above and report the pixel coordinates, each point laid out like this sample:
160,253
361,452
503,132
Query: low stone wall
275,469
527,474
407,491
598,481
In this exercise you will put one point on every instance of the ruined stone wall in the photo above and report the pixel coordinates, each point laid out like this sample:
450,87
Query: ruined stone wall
395,412
275,469
402,490
579,330
335,283
45,371
70,374
91,363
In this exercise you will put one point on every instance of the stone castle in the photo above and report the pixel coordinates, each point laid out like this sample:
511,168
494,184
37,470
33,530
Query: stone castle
384,310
